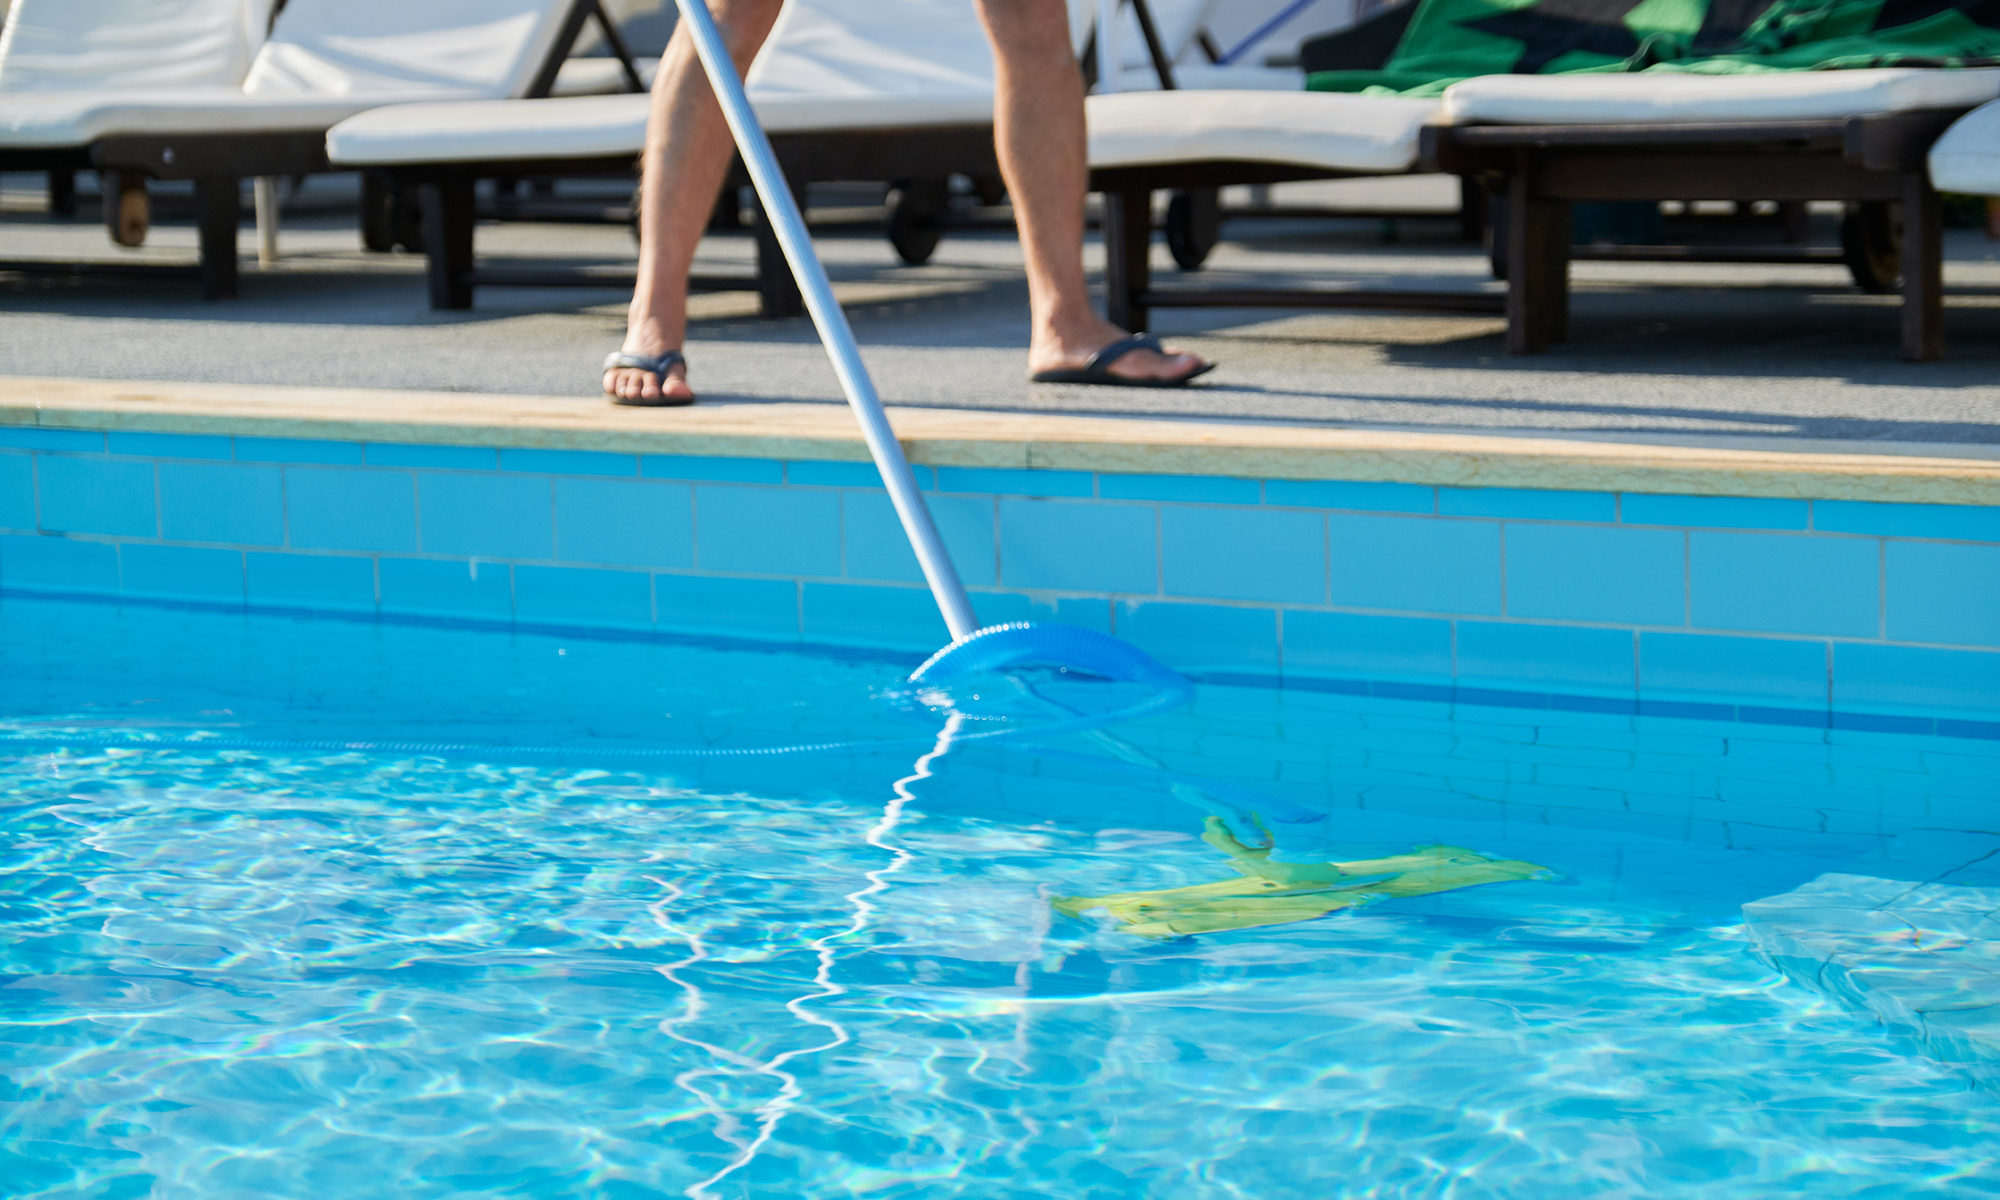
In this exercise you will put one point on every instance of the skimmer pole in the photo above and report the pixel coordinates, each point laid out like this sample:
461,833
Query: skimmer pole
834,331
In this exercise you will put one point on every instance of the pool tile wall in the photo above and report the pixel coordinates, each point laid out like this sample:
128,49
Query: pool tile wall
1780,609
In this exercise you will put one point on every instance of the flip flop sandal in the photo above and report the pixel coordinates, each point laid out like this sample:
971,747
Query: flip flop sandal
658,364
1098,369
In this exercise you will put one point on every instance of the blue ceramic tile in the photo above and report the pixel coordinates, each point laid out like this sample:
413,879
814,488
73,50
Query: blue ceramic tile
818,473
322,581
1713,512
487,516
1005,482
1960,684
170,445
17,491
707,604
1085,612
1941,592
75,441
583,595
1527,504
1785,583
1955,522
183,572
1418,564
222,502
1492,653
1080,547
448,458
625,522
772,531
1240,553
1597,573
1357,646
1190,489
1732,669
297,450
1364,497
701,469
569,462
876,547
97,495
446,587
58,564
351,508
1191,637
898,617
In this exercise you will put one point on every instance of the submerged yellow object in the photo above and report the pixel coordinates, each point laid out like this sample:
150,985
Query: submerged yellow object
1278,893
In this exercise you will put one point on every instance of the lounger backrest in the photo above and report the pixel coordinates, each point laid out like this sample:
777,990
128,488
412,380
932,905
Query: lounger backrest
875,48
85,45
454,49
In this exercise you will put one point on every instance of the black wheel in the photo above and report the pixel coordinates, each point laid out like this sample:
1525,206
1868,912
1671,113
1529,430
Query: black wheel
915,222
1194,226
1871,238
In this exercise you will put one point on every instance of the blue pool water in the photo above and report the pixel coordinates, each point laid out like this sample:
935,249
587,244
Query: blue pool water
318,909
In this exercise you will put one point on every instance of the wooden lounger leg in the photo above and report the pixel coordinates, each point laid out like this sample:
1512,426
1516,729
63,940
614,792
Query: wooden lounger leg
1923,269
218,205
1128,245
778,294
1538,267
448,222
62,193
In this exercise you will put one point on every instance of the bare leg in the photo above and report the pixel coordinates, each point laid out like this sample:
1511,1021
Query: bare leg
688,152
1039,130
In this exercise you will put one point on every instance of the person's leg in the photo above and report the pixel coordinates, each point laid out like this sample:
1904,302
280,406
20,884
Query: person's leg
688,152
1039,131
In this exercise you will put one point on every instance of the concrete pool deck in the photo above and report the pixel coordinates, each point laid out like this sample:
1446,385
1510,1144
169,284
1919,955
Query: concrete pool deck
1686,352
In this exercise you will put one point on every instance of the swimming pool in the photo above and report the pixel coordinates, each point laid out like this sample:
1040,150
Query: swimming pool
346,908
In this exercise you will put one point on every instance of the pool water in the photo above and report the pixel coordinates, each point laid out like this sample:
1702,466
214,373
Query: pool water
299,908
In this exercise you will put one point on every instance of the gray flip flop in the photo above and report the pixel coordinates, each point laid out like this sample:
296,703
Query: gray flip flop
1098,369
658,364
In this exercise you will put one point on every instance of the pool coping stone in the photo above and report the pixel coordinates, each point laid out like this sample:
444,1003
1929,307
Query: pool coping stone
1905,473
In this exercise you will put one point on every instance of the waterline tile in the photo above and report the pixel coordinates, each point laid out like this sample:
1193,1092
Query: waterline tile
17,492
351,508
1415,564
487,516
222,502
297,450
1784,583
1065,545
1239,553
182,572
317,581
772,531
98,495
625,522
1596,573
1941,592
58,564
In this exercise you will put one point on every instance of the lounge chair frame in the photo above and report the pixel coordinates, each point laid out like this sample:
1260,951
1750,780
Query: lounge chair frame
217,164
1131,295
447,197
1543,169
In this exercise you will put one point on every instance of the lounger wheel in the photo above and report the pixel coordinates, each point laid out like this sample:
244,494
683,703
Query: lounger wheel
1194,226
390,217
915,223
1871,238
128,210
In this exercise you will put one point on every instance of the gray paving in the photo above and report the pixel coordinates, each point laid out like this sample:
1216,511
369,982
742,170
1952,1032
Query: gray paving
1668,351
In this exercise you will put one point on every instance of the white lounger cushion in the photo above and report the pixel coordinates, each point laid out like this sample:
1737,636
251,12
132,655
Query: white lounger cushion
572,127
79,45
918,52
326,61
1669,97
1329,130
1967,158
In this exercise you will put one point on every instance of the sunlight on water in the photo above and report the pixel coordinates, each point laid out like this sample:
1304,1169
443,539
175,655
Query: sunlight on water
311,973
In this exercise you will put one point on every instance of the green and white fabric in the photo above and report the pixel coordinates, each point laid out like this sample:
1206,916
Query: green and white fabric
1450,40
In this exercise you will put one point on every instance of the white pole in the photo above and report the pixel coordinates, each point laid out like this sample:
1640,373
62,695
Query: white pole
834,331
265,191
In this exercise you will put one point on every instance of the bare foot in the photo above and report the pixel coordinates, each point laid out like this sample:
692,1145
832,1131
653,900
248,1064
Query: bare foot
628,385
1071,347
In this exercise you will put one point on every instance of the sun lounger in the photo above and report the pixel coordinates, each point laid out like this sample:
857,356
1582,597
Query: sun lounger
1146,142
144,47
325,61
1858,136
890,90
1967,158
